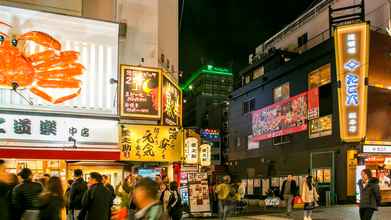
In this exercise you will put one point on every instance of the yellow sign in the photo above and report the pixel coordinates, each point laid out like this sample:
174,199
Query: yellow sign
352,53
150,143
205,154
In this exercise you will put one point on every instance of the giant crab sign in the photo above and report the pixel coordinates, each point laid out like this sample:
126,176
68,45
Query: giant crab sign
40,71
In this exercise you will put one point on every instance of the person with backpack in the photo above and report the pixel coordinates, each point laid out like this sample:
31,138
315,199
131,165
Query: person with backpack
175,207
225,194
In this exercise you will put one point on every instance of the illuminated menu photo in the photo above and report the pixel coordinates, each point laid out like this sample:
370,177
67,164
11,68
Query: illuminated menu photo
172,100
352,53
140,94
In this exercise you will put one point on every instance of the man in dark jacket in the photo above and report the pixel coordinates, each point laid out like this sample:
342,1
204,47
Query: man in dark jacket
147,201
4,189
97,200
25,196
106,182
78,188
288,191
369,194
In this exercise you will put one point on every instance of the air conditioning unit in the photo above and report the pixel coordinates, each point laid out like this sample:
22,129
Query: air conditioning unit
123,28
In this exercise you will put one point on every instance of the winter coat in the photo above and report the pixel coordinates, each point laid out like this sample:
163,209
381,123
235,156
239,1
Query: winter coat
307,195
370,194
78,188
50,207
4,206
25,196
96,202
112,191
293,188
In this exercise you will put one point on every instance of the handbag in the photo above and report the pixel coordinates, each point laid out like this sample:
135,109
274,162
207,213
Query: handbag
298,202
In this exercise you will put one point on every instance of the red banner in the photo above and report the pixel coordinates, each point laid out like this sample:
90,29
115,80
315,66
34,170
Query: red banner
313,103
285,117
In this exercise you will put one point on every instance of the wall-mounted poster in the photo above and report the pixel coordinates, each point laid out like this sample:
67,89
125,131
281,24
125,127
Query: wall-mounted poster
172,102
282,118
140,95
199,192
150,143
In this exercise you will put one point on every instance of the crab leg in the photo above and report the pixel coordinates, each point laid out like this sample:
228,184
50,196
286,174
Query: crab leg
68,83
45,55
42,39
65,98
41,94
68,58
60,73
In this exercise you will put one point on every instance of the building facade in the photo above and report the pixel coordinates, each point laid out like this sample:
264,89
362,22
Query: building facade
279,86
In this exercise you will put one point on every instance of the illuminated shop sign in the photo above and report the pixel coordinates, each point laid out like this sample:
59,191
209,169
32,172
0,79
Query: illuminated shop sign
150,143
320,127
352,48
191,150
282,118
47,66
28,130
140,95
210,135
172,102
376,149
205,155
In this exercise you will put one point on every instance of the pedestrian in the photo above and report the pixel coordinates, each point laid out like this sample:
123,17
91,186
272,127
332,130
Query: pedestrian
4,192
78,188
106,183
164,195
369,194
66,199
125,192
97,200
25,197
174,206
288,191
147,201
14,181
225,195
52,200
309,197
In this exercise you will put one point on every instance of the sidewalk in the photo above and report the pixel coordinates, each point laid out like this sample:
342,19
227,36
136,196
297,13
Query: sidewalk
342,212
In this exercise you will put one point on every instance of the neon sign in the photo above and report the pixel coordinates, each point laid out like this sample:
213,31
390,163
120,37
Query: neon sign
352,48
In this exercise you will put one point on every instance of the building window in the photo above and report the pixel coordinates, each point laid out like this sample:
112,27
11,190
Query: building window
281,92
238,142
258,72
247,79
281,140
248,106
319,77
302,40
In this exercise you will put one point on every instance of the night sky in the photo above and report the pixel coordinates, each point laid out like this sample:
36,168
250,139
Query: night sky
225,32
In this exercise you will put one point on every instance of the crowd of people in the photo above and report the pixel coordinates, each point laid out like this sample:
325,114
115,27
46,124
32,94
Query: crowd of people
25,198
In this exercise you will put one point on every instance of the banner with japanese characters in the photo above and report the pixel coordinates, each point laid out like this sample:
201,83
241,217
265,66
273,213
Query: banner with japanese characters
171,102
44,131
352,58
150,143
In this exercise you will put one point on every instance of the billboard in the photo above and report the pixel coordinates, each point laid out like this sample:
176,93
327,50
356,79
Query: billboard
352,59
150,143
48,66
172,102
282,118
140,95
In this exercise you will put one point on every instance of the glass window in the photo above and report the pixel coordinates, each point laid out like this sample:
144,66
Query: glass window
319,77
245,107
247,79
252,105
281,92
258,72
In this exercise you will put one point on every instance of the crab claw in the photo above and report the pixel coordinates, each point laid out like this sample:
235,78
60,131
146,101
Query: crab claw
41,39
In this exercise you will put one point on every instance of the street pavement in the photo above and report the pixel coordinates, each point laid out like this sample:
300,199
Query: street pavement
345,212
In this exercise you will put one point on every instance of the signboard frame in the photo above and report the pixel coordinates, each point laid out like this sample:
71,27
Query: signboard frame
352,60
166,76
121,88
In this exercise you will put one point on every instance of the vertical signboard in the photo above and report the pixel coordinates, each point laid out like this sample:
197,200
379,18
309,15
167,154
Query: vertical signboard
140,94
313,103
191,150
352,53
205,154
172,102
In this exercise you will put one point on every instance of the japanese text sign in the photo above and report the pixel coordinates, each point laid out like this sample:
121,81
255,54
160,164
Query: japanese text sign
140,95
21,130
150,143
352,55
172,103
282,118
313,103
191,150
205,156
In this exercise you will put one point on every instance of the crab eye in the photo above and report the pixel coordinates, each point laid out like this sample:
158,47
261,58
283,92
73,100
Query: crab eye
1,38
14,42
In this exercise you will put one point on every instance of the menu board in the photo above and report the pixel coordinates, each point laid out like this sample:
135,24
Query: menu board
150,143
172,103
199,192
282,118
140,96
184,189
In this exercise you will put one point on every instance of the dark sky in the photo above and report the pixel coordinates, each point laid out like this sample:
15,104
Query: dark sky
224,32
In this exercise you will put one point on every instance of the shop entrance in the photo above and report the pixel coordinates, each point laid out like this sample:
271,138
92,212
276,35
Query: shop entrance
322,169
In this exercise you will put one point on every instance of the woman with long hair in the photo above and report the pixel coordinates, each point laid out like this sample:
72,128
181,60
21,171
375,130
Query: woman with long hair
174,206
309,197
52,200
